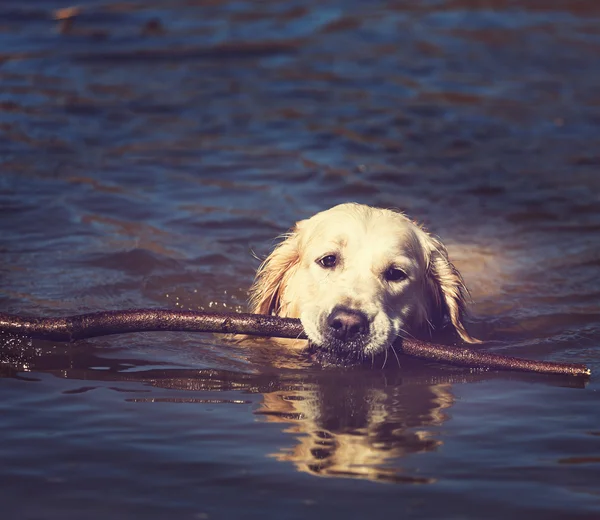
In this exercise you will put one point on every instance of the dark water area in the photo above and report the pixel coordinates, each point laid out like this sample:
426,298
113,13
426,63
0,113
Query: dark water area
148,149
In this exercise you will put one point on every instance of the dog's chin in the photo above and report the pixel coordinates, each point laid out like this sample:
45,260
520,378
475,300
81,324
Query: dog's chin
333,352
326,356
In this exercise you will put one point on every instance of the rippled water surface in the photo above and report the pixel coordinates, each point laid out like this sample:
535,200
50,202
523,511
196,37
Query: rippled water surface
148,149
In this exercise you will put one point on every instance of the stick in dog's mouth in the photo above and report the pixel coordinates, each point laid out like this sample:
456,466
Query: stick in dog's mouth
82,326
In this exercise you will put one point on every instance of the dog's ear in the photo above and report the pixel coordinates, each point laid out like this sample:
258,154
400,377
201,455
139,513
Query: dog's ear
447,290
273,273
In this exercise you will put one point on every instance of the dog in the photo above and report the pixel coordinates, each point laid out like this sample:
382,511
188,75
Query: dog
358,277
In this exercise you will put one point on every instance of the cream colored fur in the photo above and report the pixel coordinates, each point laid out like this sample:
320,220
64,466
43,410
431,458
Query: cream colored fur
366,242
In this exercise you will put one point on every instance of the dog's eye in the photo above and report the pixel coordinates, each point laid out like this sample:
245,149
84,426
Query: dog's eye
393,274
328,261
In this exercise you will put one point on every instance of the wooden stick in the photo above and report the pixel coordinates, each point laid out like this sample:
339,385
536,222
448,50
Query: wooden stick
73,328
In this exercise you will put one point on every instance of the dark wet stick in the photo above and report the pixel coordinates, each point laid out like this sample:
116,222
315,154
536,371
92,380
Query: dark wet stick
471,358
73,328
82,326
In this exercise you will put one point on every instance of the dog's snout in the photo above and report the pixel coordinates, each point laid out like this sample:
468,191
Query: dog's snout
346,324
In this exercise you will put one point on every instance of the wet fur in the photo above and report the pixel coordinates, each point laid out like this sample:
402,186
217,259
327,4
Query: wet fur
290,282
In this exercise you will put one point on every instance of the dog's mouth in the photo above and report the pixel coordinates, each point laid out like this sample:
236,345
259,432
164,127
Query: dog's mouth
346,337
341,354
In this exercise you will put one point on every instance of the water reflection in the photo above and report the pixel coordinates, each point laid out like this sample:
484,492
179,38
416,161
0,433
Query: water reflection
359,425
361,422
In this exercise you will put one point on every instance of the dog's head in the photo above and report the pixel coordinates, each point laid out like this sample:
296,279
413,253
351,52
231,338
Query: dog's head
358,277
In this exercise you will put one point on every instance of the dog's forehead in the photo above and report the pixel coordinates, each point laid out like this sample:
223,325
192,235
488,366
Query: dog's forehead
377,230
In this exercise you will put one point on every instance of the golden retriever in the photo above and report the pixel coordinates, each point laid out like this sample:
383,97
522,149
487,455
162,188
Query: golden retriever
358,277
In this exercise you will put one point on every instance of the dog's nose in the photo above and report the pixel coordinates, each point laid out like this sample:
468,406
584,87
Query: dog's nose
347,324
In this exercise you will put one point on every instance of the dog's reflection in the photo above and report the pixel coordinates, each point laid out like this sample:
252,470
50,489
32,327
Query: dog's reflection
359,427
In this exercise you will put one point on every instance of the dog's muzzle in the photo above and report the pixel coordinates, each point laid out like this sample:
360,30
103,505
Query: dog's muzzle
346,332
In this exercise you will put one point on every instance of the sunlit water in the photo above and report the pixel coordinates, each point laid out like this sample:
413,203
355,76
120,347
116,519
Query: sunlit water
150,149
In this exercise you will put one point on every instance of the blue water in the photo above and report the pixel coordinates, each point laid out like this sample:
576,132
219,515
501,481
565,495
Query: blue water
147,150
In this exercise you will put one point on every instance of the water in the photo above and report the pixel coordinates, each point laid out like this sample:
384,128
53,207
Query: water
151,147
